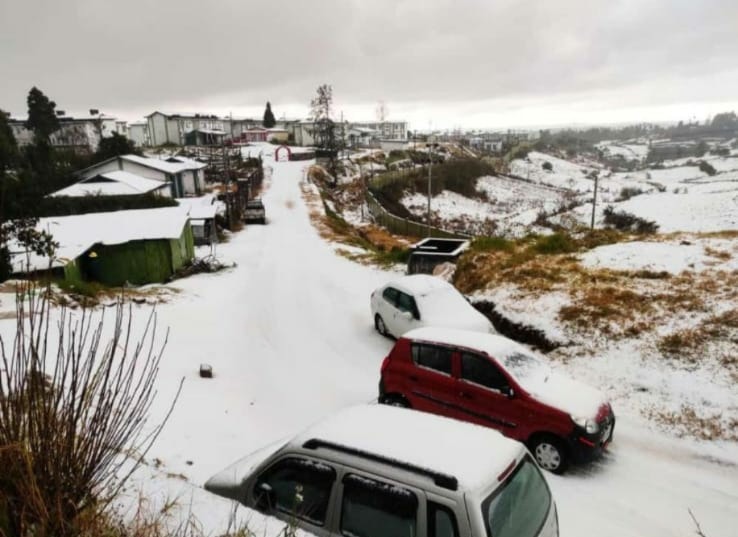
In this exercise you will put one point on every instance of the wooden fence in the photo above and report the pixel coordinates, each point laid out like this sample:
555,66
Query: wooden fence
403,226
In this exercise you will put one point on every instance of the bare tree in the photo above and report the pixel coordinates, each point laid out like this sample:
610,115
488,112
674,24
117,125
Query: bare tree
74,405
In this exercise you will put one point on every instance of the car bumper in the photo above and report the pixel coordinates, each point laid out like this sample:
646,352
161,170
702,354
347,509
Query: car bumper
588,447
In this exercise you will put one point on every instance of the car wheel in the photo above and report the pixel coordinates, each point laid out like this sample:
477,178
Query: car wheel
395,400
380,326
550,454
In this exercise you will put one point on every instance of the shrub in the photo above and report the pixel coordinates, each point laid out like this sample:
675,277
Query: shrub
557,243
67,417
492,244
721,151
707,168
625,221
547,166
628,192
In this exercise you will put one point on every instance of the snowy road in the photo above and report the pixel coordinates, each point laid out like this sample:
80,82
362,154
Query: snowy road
289,336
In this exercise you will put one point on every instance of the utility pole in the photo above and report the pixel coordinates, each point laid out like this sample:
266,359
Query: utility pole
430,168
363,189
594,199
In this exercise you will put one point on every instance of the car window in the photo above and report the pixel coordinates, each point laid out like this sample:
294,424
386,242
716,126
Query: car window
406,303
298,486
441,521
390,295
372,508
432,357
480,370
520,507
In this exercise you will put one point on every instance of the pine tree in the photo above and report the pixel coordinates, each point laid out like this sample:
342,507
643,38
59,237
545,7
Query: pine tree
113,146
42,118
18,199
269,120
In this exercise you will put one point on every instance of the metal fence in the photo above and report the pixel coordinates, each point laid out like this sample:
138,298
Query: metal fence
403,226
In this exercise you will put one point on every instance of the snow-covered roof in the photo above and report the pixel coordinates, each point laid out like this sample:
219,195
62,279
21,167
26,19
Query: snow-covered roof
76,234
116,183
420,284
164,165
474,455
493,345
201,208
191,163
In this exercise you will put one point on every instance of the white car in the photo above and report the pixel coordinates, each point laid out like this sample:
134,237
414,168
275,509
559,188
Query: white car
420,300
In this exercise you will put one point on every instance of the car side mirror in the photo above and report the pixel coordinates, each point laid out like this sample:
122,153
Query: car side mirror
265,498
508,392
407,315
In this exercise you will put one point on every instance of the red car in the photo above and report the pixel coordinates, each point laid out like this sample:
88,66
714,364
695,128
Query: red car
493,381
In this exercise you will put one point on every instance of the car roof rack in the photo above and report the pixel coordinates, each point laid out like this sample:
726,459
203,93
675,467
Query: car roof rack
442,480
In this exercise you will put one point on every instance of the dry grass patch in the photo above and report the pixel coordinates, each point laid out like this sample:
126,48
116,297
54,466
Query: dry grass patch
686,422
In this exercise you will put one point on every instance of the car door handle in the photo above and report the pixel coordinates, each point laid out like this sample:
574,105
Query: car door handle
413,378
465,395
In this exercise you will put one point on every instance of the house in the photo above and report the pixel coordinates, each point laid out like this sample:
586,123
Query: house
392,145
116,248
278,135
303,132
185,176
202,213
204,137
360,136
172,128
115,183
138,133
388,130
81,135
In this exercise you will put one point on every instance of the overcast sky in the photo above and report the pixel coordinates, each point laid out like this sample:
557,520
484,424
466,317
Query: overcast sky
467,63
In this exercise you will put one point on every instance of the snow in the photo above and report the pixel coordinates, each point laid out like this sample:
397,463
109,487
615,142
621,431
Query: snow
164,165
290,340
671,257
420,284
690,212
202,208
119,183
420,439
629,151
76,234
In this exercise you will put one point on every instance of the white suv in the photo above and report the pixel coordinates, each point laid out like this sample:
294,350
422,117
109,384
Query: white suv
379,471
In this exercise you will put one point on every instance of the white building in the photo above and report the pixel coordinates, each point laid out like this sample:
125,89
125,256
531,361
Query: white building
184,176
82,135
138,133
388,130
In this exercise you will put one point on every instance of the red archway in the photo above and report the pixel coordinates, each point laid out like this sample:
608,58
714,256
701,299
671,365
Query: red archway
277,154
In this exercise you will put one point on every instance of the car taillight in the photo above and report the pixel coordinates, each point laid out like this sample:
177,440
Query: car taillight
385,363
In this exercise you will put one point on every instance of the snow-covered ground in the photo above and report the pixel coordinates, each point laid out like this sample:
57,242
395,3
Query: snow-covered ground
290,338
629,151
511,205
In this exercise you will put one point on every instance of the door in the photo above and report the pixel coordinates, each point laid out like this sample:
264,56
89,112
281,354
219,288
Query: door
482,394
296,488
372,507
406,314
430,381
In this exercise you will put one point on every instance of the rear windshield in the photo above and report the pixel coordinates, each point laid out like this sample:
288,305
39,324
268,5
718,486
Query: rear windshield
520,507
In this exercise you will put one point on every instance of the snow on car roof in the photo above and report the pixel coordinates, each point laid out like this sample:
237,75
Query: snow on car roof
495,346
420,284
473,454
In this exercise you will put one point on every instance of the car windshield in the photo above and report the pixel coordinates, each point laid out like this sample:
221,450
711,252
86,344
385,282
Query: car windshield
520,507
446,302
526,368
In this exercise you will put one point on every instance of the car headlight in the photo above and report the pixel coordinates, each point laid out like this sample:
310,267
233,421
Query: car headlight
591,426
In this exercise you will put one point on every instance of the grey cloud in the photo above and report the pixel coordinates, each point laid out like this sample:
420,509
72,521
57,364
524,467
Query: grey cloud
136,55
